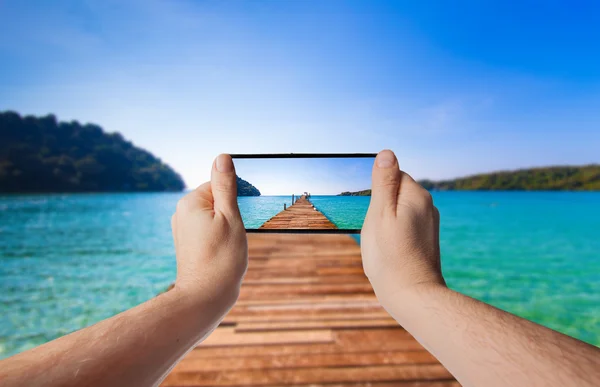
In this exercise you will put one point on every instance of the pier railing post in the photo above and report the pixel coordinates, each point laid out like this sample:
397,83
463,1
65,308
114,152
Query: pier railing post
284,206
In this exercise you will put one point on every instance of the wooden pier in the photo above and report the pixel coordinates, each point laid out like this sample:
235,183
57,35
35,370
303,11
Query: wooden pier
301,215
307,316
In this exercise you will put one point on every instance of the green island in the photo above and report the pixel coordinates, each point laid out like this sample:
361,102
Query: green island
246,189
558,178
365,192
42,155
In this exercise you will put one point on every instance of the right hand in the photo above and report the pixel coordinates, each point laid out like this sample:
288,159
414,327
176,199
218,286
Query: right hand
400,235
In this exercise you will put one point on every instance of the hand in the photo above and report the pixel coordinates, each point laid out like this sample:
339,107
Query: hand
400,235
210,241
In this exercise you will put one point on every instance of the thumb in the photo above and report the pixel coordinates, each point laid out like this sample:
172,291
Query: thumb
223,185
385,181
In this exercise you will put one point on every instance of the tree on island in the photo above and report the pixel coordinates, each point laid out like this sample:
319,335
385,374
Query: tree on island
246,189
40,154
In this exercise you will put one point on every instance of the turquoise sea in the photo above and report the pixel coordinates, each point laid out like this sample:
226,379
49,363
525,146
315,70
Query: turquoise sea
68,261
347,212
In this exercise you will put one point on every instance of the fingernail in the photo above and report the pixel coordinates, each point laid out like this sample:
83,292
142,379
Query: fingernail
386,159
224,163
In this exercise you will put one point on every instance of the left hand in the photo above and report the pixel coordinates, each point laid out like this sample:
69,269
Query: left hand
210,241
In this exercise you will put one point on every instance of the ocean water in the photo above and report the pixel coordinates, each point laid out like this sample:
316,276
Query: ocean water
68,261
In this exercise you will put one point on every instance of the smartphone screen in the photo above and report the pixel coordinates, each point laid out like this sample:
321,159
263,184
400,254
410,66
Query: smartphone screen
304,193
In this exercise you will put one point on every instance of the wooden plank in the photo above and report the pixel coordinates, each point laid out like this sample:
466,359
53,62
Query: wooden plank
323,298
254,279
310,375
341,271
417,383
314,315
315,261
308,310
228,336
266,291
362,304
408,344
348,338
303,361
322,324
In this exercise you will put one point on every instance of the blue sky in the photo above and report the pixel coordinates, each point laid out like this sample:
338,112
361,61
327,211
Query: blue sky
318,176
452,89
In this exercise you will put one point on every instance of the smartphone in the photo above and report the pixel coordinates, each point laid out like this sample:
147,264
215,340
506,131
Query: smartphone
304,193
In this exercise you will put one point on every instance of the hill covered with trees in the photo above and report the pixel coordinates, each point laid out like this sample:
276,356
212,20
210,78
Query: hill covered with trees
366,192
560,178
40,154
246,189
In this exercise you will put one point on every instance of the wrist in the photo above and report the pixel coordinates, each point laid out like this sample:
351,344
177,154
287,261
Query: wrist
405,302
192,317
204,303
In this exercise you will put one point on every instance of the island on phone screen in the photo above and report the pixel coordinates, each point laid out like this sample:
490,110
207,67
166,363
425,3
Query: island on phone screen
331,193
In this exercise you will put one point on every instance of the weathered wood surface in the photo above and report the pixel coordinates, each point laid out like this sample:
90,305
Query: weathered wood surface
307,316
300,215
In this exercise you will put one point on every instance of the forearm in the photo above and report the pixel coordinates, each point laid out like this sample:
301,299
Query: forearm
484,346
135,348
139,347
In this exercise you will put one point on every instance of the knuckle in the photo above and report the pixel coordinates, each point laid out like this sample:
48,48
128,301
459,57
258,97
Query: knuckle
387,183
202,194
223,186
427,198
420,201
388,180
199,198
184,204
407,178
409,208
181,205
436,214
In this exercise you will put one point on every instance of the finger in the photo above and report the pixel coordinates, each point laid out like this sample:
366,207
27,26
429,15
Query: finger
173,225
203,197
436,219
385,181
407,182
412,192
174,229
436,223
200,199
223,185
